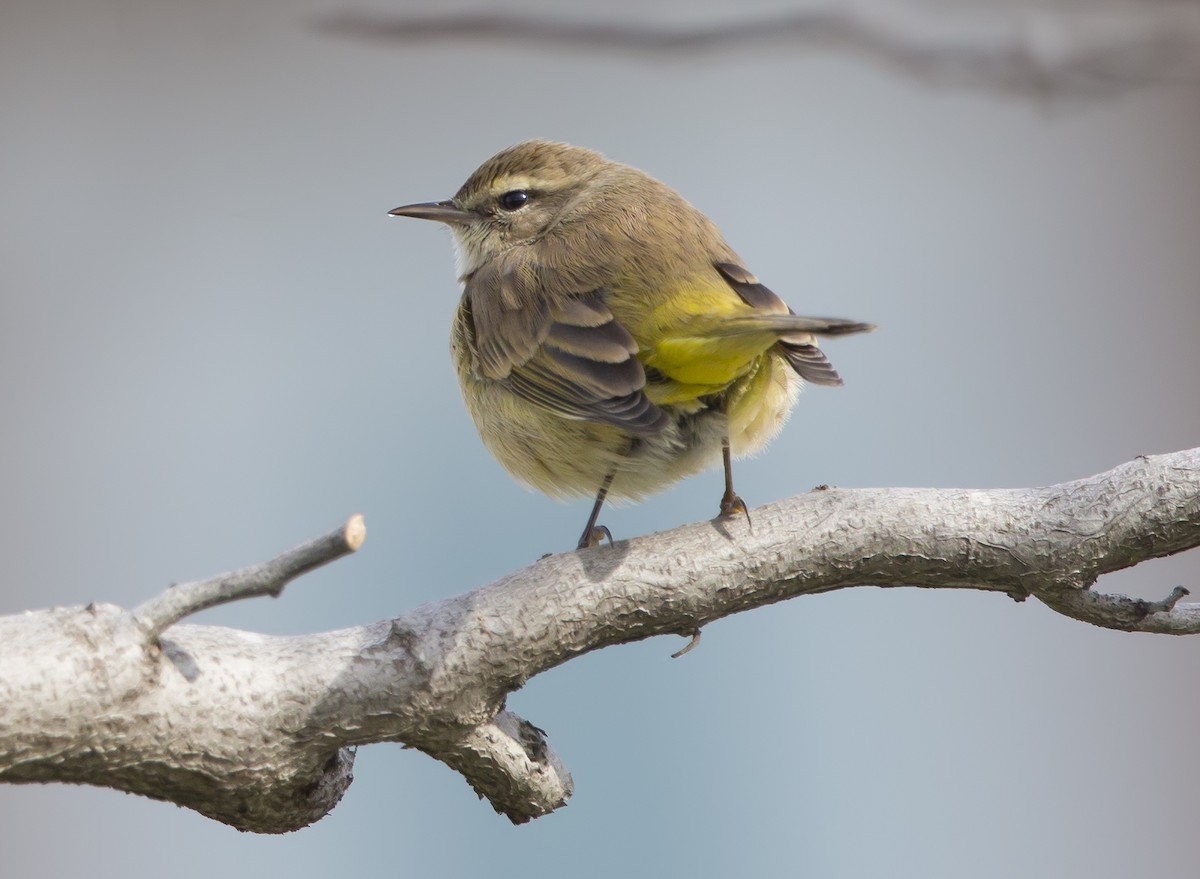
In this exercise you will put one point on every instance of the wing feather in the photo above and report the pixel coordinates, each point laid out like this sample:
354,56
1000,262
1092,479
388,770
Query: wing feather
557,347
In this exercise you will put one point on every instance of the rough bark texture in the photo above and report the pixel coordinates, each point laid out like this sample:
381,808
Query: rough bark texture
254,730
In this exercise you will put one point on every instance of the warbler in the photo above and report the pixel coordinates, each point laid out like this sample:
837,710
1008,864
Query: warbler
608,340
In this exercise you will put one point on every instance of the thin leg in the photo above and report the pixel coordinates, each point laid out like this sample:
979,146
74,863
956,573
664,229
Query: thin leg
731,504
592,534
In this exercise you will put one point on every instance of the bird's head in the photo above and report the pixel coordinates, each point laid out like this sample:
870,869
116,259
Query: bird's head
519,195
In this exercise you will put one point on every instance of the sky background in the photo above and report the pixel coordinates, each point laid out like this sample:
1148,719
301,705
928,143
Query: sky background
215,345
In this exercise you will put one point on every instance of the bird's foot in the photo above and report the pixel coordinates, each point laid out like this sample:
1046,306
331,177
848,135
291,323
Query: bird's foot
593,537
732,505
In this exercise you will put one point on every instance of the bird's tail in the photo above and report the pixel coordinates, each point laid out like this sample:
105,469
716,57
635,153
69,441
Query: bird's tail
709,351
795,337
784,325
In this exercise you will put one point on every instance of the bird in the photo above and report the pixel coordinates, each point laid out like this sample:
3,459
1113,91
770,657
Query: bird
609,342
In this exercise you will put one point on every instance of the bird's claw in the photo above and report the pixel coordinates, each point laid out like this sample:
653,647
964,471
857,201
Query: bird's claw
594,537
732,505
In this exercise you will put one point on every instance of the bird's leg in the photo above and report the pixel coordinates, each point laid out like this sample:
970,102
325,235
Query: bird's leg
592,534
731,504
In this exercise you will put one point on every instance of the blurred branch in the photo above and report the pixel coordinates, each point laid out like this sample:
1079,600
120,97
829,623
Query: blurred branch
257,731
1079,51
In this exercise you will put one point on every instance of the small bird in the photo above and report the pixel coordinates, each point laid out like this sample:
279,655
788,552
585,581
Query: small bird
608,340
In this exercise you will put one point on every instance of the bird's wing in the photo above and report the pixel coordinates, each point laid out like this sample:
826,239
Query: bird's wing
552,340
799,348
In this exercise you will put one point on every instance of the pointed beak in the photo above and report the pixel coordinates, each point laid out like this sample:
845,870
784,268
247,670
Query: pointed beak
442,211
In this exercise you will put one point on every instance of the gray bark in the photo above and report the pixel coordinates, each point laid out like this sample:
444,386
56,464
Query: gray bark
256,731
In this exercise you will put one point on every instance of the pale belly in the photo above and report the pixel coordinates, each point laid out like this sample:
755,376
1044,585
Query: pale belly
567,458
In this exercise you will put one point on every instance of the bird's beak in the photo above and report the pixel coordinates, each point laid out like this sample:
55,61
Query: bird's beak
442,211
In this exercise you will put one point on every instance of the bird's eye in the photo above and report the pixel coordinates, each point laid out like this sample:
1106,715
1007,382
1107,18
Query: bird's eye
514,200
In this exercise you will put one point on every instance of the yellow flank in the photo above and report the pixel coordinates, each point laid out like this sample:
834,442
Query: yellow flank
681,338
679,395
694,359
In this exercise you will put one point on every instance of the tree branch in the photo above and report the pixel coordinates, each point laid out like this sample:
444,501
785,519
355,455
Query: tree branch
256,731
1047,50
268,578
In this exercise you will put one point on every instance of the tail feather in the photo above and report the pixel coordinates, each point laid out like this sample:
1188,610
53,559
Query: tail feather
811,364
773,323
785,325
713,350
796,340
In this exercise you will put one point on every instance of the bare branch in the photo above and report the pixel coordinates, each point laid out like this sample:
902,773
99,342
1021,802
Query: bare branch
1092,50
257,731
1167,617
509,762
687,648
269,578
